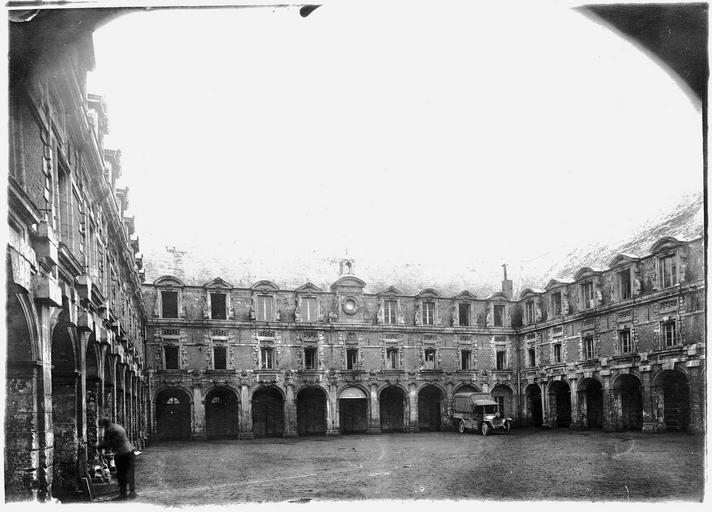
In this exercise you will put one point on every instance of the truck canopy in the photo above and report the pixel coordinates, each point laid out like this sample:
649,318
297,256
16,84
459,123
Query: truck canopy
465,401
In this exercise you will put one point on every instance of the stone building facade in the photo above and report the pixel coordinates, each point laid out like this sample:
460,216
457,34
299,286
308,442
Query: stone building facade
75,315
620,348
264,361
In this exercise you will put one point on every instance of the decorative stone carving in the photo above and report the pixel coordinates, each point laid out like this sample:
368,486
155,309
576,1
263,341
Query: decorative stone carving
379,314
252,311
297,311
418,314
490,319
401,314
455,316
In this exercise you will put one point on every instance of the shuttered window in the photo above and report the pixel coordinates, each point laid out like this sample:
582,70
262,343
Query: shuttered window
264,308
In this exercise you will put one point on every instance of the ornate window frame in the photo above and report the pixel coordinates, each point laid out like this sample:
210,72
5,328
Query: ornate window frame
168,284
269,289
390,294
428,295
465,297
307,291
221,286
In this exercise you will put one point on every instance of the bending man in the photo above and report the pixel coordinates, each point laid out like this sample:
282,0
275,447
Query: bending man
115,439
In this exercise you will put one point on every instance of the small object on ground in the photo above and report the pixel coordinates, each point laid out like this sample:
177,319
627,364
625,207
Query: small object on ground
137,453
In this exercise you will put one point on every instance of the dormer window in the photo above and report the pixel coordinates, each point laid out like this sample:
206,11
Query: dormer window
556,303
587,294
218,306
668,271
624,284
169,304
531,312
264,308
428,313
308,309
463,310
390,311
498,311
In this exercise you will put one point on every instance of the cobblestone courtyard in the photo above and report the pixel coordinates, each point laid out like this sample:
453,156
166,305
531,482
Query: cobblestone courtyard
527,464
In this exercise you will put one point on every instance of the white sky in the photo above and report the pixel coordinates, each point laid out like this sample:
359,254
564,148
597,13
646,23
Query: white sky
456,136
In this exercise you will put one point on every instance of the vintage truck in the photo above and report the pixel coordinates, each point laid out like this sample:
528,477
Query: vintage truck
477,411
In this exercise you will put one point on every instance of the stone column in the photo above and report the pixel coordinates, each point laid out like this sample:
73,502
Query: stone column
578,405
245,413
446,408
413,409
332,425
198,415
290,412
93,386
608,402
697,396
649,401
545,413
374,425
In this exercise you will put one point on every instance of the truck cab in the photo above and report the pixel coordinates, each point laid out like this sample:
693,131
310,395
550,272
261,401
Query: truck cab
476,411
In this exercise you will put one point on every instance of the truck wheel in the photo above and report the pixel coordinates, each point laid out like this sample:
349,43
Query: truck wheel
461,427
484,428
507,427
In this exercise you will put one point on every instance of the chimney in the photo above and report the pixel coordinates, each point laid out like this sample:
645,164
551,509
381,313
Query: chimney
507,286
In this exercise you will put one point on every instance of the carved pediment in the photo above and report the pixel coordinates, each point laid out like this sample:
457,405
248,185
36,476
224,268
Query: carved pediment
390,291
428,292
556,283
498,296
530,292
667,242
218,283
587,272
308,287
465,295
265,286
169,281
348,281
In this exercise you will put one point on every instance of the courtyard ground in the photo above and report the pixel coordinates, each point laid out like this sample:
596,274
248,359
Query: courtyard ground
525,465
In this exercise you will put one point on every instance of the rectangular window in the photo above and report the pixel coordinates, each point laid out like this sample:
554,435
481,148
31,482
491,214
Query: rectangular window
171,356
308,309
351,358
264,308
624,341
392,356
429,359
531,315
428,313
587,295
464,314
532,357
218,306
465,359
310,360
557,353
389,311
498,315
501,359
220,358
669,333
169,303
556,303
267,358
589,348
668,271
624,285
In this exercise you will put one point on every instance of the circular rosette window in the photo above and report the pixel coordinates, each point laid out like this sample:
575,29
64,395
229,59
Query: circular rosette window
350,305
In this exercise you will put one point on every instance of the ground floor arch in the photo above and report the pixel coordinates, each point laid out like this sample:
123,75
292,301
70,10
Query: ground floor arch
590,403
222,413
560,404
311,411
534,412
392,406
672,391
268,413
353,410
430,400
173,414
467,388
503,395
627,393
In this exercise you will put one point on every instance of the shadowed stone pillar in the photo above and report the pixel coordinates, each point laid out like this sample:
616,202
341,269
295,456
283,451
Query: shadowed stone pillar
199,414
245,413
413,408
608,402
332,426
374,425
649,400
290,412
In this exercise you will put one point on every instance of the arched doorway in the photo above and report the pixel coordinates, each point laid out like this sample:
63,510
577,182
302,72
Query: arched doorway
628,396
173,414
676,399
311,411
391,408
429,408
560,404
503,396
66,412
222,413
535,414
268,413
353,411
590,403
24,397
